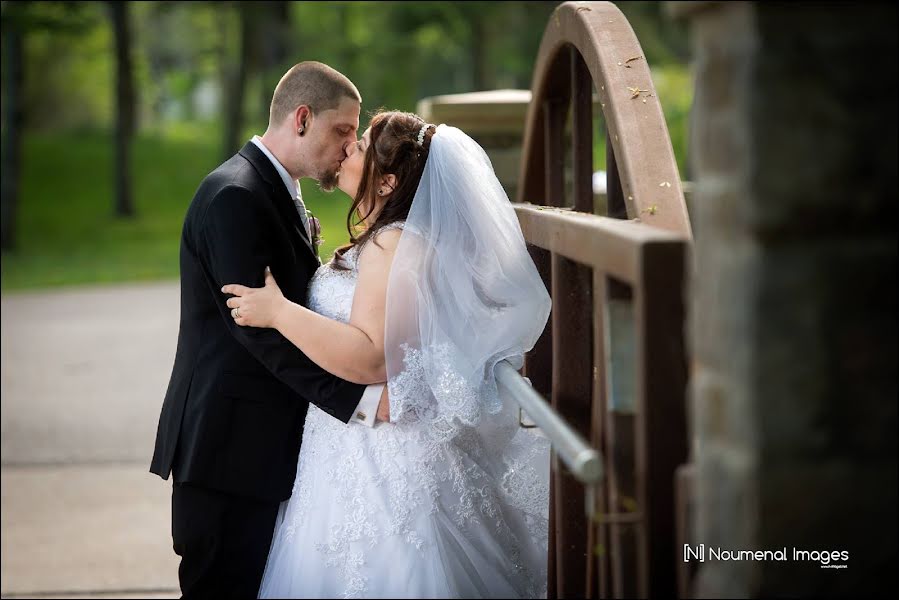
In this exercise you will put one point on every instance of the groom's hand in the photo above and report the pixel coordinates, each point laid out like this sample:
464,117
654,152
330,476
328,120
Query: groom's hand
384,407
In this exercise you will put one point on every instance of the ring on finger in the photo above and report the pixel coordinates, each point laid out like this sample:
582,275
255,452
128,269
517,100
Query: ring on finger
235,313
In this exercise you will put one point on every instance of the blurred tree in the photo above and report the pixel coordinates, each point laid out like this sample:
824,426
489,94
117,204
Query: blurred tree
18,20
180,62
468,46
236,79
69,66
477,16
192,62
276,49
664,40
125,108
12,125
266,51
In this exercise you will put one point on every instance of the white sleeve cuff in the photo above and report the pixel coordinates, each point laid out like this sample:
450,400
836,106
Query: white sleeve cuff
368,406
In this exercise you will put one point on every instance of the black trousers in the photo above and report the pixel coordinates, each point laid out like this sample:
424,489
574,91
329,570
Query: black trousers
223,541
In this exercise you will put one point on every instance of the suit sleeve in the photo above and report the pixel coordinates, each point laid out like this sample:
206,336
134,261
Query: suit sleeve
234,248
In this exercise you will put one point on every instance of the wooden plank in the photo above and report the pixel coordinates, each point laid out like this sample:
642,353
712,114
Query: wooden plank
599,578
609,245
662,379
581,133
572,398
631,110
621,423
554,156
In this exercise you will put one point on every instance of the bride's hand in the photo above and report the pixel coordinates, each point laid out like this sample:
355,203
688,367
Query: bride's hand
256,307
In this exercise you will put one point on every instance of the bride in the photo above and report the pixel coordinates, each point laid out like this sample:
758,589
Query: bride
449,499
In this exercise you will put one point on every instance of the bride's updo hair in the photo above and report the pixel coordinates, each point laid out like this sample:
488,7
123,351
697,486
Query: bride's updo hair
393,149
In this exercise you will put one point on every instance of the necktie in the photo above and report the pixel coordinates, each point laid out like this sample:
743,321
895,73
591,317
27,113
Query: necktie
301,208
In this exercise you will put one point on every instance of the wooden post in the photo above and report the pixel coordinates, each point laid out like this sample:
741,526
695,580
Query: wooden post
573,398
581,132
662,441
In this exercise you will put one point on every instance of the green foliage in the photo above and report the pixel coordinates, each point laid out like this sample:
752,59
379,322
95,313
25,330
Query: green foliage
177,46
395,52
663,39
68,67
674,87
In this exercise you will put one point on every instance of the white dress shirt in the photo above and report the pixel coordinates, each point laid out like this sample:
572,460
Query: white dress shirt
293,186
368,405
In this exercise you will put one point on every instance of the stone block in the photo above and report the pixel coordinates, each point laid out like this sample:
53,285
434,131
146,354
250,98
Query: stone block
824,355
727,517
828,505
823,120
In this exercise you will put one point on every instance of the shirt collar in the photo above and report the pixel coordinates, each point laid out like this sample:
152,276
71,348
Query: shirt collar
292,185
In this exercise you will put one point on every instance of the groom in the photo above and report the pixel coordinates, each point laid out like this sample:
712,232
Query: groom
232,419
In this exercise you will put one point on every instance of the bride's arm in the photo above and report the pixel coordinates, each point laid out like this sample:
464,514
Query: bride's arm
353,351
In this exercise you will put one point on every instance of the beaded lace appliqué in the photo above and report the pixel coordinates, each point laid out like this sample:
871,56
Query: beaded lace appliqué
427,460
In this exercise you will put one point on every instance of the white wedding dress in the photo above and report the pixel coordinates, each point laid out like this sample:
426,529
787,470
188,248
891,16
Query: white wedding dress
397,512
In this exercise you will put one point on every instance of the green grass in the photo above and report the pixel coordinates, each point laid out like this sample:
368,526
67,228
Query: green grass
66,231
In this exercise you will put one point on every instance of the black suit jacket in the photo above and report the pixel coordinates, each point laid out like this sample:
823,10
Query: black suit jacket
233,415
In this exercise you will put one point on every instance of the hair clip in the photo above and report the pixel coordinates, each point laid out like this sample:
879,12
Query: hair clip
421,133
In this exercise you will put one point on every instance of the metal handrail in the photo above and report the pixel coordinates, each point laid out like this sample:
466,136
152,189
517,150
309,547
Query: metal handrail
584,462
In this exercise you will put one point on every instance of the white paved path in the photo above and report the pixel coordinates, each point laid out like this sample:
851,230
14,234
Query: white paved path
83,375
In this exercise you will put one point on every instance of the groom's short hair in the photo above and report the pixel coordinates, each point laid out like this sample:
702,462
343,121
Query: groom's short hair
314,84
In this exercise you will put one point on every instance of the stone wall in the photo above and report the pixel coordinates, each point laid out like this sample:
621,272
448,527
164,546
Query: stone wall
495,119
793,310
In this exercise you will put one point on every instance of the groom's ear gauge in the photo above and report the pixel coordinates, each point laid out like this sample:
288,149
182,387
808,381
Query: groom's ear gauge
303,113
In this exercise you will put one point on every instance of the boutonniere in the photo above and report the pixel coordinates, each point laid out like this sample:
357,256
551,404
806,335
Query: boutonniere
315,227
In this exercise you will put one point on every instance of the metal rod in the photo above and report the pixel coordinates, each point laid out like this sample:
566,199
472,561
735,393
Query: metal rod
583,461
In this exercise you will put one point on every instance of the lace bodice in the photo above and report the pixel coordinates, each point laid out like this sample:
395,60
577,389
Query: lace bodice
331,290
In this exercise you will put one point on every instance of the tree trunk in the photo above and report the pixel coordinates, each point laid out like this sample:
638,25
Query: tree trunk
13,77
237,82
476,16
479,53
274,41
125,101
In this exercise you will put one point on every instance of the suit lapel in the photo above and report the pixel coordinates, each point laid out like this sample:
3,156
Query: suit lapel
280,198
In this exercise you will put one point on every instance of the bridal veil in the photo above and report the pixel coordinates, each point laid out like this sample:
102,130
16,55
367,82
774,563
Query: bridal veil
463,295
